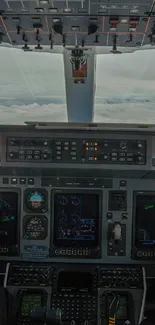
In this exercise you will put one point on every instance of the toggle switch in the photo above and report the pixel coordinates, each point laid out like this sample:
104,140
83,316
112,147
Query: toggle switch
117,232
18,29
130,40
64,40
96,39
92,29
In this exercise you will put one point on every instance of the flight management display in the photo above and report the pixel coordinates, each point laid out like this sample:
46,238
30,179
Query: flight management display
145,220
8,223
76,219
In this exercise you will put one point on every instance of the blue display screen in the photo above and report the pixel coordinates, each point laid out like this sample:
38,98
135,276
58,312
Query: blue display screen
76,219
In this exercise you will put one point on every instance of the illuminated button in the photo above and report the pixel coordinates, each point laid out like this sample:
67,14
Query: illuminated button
14,181
114,154
73,143
121,159
5,180
66,148
122,154
30,181
129,159
22,181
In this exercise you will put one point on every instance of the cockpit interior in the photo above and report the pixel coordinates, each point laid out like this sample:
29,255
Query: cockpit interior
77,199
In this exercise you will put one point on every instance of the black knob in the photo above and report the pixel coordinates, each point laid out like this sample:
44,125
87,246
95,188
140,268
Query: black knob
18,30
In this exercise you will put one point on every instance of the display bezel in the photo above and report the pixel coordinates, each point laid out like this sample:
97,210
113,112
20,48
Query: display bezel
140,251
78,191
129,307
18,191
27,209
23,291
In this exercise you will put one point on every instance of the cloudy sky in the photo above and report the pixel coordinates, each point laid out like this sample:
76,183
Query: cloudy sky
32,87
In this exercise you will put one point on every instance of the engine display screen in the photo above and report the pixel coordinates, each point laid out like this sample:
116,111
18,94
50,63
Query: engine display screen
75,282
29,301
8,219
76,219
145,220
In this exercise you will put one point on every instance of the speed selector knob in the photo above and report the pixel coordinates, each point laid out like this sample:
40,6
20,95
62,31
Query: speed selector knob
123,145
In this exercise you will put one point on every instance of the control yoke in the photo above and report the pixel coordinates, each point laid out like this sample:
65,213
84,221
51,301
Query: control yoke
46,315
113,309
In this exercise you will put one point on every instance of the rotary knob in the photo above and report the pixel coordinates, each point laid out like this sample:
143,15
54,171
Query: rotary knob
123,145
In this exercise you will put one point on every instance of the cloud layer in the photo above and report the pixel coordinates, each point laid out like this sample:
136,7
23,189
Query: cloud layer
32,87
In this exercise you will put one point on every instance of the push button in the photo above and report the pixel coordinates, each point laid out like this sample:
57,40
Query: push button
13,181
30,181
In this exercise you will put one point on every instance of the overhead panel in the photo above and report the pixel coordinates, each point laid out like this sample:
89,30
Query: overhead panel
85,23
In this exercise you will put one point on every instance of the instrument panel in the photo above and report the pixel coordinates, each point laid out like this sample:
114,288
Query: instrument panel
78,224
76,207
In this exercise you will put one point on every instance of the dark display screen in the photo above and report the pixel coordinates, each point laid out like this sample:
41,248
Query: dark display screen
29,301
122,309
76,219
75,282
8,218
145,220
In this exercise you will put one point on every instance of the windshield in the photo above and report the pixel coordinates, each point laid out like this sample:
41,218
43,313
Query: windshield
32,87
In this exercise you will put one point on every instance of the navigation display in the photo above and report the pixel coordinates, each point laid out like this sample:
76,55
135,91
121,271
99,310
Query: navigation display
145,219
8,220
76,219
